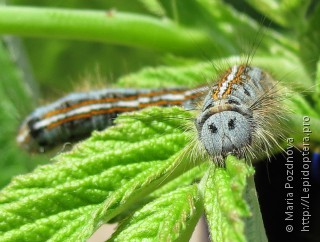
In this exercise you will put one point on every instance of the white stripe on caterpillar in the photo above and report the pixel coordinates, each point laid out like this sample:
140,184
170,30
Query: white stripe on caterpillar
225,84
78,114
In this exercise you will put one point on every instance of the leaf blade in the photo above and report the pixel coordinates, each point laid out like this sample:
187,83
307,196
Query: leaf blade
224,205
108,180
152,221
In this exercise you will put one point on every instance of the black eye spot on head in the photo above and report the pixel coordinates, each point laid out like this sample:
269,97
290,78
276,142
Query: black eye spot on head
213,128
232,124
231,101
246,92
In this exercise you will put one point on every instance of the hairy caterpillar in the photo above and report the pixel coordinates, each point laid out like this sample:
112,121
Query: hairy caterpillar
77,115
236,115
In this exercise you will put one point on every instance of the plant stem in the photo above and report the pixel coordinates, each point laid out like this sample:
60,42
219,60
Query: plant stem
102,26
255,230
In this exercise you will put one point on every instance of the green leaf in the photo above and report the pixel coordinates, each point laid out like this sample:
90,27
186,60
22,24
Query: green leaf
208,72
223,190
287,13
316,95
99,179
299,105
154,6
189,177
163,219
230,22
185,76
254,229
298,108
309,42
14,101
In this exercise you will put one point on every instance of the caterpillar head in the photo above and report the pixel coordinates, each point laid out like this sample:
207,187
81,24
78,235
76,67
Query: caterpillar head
239,113
225,127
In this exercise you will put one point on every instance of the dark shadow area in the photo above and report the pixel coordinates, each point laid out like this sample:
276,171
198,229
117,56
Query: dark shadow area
282,184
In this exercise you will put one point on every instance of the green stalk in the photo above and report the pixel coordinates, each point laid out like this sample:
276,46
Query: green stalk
101,26
254,228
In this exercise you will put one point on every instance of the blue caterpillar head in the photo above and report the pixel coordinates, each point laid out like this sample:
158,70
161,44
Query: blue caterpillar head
234,113
225,126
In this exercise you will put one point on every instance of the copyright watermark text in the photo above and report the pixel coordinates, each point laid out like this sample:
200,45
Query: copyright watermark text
297,193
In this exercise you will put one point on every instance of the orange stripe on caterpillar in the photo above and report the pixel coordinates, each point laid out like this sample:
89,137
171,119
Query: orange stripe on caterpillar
108,100
112,110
